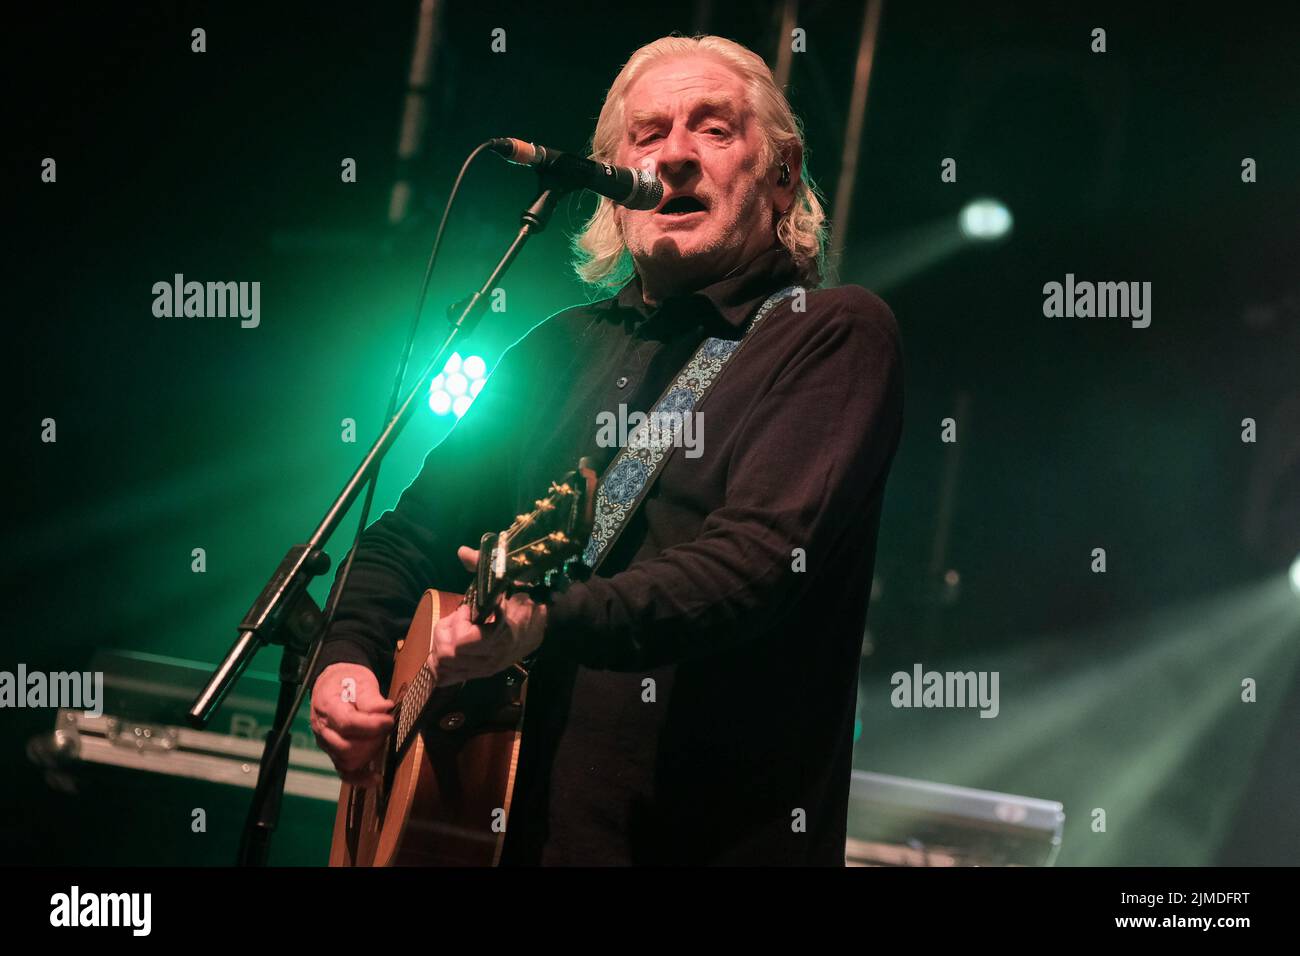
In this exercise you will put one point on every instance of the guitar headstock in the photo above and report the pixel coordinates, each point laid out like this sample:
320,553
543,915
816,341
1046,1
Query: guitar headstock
540,542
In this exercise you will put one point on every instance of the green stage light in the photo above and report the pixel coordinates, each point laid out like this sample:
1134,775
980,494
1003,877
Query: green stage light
1295,575
454,390
985,219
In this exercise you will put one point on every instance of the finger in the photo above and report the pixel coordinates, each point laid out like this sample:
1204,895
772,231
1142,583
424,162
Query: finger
364,694
468,557
356,763
456,618
454,630
373,702
345,754
515,604
460,636
351,722
365,777
363,773
446,651
354,725
442,642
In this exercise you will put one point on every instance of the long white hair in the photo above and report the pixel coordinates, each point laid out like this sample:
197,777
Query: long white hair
601,256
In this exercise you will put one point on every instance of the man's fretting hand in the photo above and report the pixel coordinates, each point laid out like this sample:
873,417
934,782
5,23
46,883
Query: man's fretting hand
465,651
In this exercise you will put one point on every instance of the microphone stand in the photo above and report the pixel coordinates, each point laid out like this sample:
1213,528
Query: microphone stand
284,613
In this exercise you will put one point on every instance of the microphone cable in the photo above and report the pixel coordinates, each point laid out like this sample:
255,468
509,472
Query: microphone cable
340,581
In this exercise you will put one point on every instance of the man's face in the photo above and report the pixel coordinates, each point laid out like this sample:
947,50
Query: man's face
688,122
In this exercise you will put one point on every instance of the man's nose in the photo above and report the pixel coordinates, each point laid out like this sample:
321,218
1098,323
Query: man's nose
678,157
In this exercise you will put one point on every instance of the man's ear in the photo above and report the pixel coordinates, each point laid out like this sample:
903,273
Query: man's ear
784,193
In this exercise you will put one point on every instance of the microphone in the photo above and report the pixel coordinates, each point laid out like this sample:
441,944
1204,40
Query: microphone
633,188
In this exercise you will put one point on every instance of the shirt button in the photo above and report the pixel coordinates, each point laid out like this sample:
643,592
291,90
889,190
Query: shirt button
622,381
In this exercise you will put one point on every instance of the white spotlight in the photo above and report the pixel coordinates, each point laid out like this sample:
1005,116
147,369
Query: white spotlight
985,219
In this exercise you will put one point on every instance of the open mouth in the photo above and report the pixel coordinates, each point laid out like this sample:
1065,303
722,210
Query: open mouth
682,206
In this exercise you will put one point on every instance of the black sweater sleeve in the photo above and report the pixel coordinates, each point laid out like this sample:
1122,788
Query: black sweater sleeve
462,491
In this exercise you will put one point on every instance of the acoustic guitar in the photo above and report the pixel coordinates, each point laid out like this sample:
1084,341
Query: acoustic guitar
447,769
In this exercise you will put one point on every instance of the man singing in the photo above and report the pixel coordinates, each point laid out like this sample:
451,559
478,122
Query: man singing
693,701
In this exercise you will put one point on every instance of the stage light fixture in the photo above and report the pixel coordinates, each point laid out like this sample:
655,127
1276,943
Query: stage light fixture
983,220
456,387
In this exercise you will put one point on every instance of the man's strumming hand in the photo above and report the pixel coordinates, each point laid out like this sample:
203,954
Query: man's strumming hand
351,719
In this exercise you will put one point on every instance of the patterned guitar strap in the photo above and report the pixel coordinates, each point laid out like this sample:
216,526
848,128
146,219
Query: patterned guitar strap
634,470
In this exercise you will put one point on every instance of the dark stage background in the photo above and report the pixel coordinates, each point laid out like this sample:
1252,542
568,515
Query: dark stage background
1120,690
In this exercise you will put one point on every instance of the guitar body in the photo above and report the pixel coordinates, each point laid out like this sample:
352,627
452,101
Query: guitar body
448,768
445,798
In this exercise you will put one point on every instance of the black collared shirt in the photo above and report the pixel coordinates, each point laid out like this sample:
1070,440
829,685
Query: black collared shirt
694,701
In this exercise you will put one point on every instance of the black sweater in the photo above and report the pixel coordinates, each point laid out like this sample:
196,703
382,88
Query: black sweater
694,701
